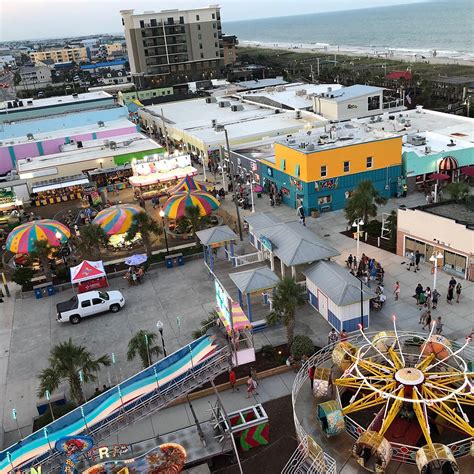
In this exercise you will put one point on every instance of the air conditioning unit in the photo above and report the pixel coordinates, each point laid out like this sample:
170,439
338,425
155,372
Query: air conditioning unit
30,136
224,103
219,128
280,88
300,92
214,123
427,149
292,141
310,147
113,145
28,160
236,108
298,114
101,123
416,140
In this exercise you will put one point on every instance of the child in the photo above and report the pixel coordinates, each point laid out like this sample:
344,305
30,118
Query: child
439,326
251,387
427,320
458,292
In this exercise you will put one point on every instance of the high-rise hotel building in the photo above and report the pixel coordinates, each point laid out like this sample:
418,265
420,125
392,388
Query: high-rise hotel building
174,46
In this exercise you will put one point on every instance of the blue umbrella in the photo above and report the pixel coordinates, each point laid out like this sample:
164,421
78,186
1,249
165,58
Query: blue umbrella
135,260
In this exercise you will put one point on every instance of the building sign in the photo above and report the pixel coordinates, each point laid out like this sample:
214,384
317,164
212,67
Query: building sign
223,301
296,183
326,184
351,106
269,171
73,447
266,242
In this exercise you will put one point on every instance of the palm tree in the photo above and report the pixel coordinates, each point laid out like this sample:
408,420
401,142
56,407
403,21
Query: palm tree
288,297
42,250
363,203
458,191
92,238
193,214
66,362
147,226
141,345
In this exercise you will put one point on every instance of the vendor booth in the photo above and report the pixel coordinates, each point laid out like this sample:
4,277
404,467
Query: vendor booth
58,190
89,276
111,179
10,206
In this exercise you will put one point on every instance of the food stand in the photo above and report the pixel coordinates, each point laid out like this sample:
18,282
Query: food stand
8,204
89,276
58,190
111,179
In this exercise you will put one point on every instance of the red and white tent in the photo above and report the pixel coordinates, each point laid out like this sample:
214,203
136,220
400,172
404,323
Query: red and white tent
89,271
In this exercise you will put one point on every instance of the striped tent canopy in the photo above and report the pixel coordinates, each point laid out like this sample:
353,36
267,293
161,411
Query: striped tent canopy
117,219
187,184
239,319
448,163
176,205
23,237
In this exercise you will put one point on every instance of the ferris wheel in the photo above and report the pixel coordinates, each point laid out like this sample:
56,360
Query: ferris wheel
400,396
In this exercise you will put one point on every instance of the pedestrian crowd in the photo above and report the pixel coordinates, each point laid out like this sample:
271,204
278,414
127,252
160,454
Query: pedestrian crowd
365,268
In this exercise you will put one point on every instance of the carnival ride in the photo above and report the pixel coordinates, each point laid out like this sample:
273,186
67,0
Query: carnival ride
420,385
133,399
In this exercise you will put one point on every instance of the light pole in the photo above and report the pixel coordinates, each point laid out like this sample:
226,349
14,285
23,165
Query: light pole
162,215
47,395
434,258
358,223
15,417
160,325
251,182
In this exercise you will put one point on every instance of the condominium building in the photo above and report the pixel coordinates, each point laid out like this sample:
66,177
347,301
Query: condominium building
173,46
61,55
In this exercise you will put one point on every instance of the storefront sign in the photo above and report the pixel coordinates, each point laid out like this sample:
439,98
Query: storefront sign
90,189
326,184
73,447
266,242
223,301
297,183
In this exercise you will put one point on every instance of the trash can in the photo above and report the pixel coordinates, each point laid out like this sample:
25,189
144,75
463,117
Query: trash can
169,261
180,259
50,290
38,293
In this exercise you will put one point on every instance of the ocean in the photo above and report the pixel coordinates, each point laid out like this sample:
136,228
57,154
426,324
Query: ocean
446,26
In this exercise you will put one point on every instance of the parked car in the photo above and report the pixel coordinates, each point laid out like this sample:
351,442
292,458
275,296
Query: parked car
87,304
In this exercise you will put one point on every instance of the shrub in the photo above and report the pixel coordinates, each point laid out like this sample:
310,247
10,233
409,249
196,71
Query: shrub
23,275
268,352
374,228
302,345
46,419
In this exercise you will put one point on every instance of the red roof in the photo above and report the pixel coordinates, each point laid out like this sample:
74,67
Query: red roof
87,271
395,75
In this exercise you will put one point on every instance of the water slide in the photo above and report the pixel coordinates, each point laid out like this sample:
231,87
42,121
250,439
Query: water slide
140,395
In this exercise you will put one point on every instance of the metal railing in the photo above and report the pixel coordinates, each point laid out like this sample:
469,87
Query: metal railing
240,260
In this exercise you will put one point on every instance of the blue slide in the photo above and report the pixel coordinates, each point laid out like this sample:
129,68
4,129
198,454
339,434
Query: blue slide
104,408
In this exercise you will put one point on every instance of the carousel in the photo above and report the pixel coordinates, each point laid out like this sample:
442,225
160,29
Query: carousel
404,397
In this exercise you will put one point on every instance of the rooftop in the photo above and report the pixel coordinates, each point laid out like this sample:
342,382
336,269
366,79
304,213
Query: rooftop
423,120
337,283
458,212
257,279
353,92
334,136
435,142
261,83
292,96
216,235
132,143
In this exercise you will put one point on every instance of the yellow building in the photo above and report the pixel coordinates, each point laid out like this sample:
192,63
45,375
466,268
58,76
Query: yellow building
322,171
114,47
61,55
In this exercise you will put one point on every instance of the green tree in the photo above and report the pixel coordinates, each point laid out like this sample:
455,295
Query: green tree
458,191
147,227
23,275
392,227
137,346
66,362
363,203
91,240
193,214
42,251
288,297
302,345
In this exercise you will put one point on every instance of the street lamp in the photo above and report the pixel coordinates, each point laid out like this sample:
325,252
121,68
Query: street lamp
251,182
162,215
434,258
358,223
160,325
62,247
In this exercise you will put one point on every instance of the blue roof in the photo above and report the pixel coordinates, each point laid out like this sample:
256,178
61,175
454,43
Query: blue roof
117,62
353,92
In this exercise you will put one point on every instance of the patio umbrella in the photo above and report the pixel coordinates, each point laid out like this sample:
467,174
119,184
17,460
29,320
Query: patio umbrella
23,237
176,205
468,171
117,219
440,176
187,184
135,260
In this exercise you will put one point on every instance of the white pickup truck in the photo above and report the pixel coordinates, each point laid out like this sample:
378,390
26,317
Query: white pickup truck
87,304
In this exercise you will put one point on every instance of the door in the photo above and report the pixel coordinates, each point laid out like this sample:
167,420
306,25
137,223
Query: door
323,304
86,308
98,305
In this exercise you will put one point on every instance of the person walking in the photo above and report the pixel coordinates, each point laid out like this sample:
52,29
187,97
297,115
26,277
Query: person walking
301,215
233,380
411,261
332,338
311,370
428,297
253,374
439,326
452,281
423,316
450,294
422,299
458,292
396,290
251,387
418,291
417,260
427,321
434,298
350,258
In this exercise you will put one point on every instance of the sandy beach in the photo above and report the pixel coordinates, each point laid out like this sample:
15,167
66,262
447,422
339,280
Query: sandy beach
407,55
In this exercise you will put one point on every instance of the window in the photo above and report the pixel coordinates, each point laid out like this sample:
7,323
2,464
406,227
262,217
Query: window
324,200
199,36
324,171
181,19
373,103
199,27
214,25
85,304
216,44
197,17
369,162
282,165
213,16
297,170
215,35
142,24
347,166
97,301
202,55
217,53
153,22
200,45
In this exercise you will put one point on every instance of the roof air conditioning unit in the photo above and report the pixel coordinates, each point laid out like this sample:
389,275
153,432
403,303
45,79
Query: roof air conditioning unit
224,103
29,102
30,136
427,149
300,92
292,141
214,123
28,160
298,114
208,100
75,96
329,90
106,143
236,108
101,123
310,147
219,128
113,145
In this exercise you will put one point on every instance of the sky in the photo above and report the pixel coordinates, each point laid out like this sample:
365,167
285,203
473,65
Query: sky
36,19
